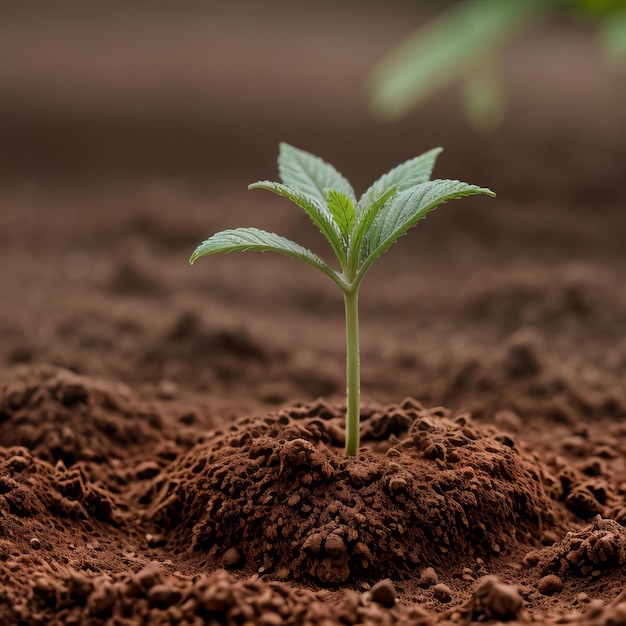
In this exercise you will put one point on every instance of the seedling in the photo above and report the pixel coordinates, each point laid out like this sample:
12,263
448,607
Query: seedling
358,232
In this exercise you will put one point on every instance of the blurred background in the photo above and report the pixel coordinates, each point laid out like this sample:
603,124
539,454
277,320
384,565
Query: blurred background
130,130
183,90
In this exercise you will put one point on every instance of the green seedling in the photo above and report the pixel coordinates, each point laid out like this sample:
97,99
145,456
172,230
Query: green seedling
359,231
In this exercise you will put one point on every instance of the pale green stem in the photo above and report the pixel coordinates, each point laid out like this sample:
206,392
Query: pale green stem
353,373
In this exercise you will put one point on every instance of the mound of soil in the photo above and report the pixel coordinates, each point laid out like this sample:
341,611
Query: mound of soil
63,417
278,493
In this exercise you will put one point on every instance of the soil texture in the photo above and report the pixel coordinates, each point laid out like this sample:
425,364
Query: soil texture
171,437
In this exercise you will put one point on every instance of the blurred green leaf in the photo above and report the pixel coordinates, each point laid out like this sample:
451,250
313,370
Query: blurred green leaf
460,39
614,35
483,97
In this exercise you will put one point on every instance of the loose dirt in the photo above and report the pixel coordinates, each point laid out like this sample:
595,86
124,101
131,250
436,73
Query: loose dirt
171,438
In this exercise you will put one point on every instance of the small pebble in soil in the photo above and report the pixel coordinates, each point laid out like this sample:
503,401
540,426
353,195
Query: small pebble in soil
494,599
231,557
442,593
146,578
549,585
468,574
384,593
531,559
35,543
335,546
428,577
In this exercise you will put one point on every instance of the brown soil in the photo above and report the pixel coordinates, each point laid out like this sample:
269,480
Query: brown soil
171,438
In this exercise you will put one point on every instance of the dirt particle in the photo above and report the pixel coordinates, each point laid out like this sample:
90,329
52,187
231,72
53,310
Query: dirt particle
35,543
46,590
313,543
435,451
428,577
494,599
601,546
335,546
384,593
584,503
231,557
332,571
270,618
18,463
468,574
147,577
164,595
531,559
101,599
549,585
522,357
359,475
167,390
442,593
293,499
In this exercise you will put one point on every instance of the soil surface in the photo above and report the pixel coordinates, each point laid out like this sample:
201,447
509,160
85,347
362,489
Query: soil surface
171,437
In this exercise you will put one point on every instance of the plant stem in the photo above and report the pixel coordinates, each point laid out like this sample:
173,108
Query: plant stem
353,373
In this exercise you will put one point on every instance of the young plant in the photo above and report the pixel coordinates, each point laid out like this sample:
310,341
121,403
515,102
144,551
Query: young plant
359,231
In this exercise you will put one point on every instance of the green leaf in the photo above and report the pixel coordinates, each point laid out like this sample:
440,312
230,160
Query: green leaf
310,174
446,49
396,217
363,223
406,175
319,213
243,239
342,210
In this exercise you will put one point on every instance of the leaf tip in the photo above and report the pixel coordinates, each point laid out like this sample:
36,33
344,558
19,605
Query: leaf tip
283,147
196,254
